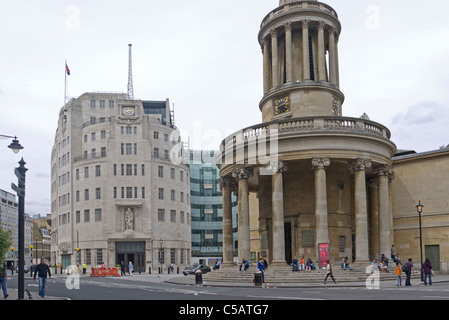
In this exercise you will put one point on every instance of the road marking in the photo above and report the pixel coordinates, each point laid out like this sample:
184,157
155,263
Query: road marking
435,297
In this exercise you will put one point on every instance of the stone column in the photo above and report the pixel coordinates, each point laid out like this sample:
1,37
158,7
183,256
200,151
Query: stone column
243,174
383,173
332,57
321,53
275,59
266,66
321,215
288,51
374,218
227,186
337,68
361,212
278,216
305,49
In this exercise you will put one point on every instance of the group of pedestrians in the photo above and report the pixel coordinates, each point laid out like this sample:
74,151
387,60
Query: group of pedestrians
41,270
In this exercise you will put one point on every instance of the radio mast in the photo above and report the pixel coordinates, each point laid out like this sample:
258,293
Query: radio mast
130,75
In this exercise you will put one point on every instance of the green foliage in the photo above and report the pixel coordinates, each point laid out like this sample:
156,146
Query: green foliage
5,242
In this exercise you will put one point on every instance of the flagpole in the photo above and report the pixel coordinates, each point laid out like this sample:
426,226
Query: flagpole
65,82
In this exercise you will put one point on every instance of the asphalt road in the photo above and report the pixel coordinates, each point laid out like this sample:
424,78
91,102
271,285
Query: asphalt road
129,289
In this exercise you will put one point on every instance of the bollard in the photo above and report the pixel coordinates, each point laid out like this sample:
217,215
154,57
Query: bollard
258,278
198,277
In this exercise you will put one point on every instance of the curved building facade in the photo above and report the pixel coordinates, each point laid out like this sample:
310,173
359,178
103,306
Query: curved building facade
316,173
119,192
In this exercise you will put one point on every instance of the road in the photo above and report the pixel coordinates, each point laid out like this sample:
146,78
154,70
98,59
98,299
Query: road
128,288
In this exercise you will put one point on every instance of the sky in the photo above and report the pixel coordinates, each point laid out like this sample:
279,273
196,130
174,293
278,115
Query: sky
205,57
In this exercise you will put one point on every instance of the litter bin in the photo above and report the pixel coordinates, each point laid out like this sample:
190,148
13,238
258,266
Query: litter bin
258,278
198,277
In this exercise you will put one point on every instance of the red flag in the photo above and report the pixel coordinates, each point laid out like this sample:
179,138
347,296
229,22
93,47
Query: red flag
67,69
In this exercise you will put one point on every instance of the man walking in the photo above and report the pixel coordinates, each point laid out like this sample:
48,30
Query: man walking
408,269
42,270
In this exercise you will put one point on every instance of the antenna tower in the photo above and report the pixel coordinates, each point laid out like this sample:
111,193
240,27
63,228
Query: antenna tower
130,75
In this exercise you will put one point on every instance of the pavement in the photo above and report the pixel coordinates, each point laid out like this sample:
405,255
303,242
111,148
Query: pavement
179,279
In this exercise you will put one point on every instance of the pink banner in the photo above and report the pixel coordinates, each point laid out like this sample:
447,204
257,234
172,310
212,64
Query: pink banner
324,254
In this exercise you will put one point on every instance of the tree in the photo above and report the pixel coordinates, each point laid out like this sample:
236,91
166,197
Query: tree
5,242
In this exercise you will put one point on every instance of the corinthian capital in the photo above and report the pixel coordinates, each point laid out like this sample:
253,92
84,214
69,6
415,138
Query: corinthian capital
385,170
243,173
227,181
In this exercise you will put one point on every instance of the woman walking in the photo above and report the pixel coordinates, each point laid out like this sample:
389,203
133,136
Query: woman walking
329,272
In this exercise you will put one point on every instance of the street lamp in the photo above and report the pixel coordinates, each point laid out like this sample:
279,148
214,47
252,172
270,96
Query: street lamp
419,208
15,146
160,254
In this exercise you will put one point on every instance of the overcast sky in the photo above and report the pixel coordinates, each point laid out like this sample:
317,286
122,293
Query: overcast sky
204,56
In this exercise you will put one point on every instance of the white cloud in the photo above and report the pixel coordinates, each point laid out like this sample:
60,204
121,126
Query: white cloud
422,127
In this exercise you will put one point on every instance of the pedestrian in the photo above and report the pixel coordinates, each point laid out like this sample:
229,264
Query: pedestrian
427,268
398,275
122,269
408,269
42,270
261,268
329,272
393,252
309,265
245,265
84,268
131,268
346,264
3,279
294,264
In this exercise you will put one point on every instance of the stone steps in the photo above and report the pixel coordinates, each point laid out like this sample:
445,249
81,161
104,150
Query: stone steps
288,276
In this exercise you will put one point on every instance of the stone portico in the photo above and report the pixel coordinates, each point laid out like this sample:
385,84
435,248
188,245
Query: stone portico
319,177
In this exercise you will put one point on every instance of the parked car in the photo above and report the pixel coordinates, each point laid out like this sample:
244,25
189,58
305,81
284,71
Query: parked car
192,269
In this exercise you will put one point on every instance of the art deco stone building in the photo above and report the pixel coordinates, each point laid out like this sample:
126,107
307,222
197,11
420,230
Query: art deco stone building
118,192
310,166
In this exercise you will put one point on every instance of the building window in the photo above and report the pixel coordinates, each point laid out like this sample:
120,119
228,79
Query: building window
115,192
161,214
173,193
86,172
129,192
93,136
114,169
156,153
86,215
97,170
77,196
172,173
129,148
98,193
129,170
86,194
97,215
173,256
92,103
342,244
181,217
111,104
143,170
172,215
99,256
78,217
160,171
161,193
143,192
103,134
156,135
88,257
102,104
103,152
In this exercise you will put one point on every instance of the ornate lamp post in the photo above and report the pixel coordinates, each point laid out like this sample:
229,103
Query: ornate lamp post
15,146
419,208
